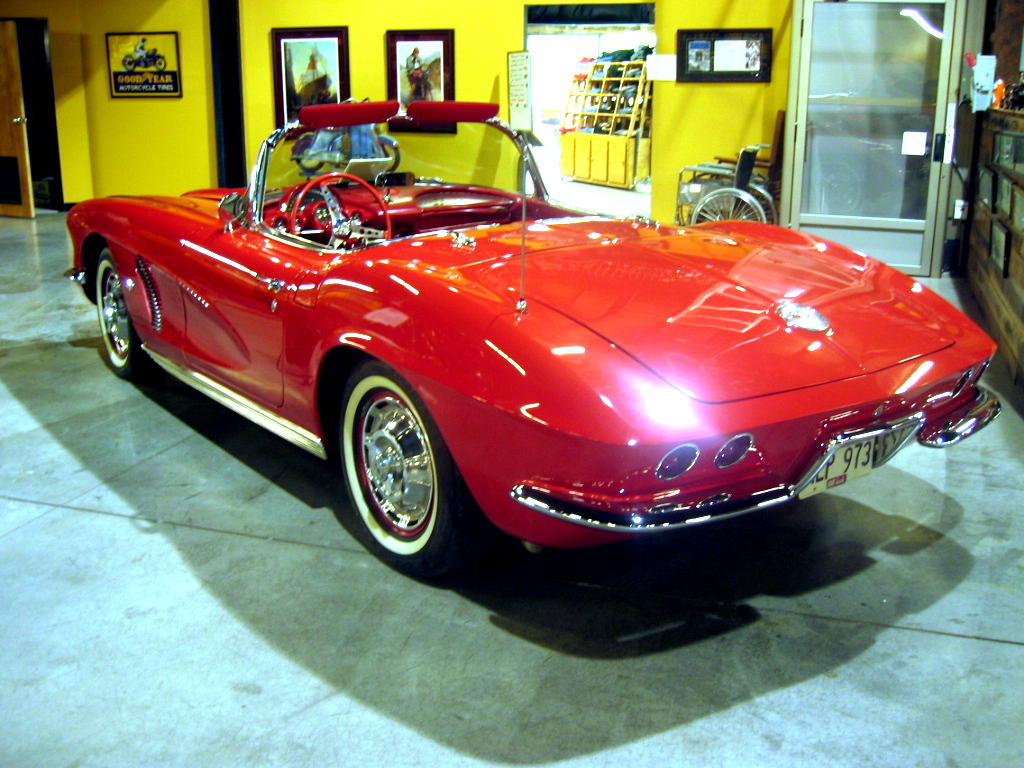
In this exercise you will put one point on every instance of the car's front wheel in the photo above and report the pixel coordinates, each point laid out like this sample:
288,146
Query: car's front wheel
401,478
124,353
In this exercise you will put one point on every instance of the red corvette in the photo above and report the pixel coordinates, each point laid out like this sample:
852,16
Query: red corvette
475,356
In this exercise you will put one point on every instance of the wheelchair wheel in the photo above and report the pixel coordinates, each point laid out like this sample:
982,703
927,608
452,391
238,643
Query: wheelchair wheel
764,197
727,203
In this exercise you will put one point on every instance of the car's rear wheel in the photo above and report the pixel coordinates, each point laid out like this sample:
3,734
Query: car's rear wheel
124,353
407,492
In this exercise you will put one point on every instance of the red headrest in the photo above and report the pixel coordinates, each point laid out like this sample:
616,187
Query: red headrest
347,113
451,111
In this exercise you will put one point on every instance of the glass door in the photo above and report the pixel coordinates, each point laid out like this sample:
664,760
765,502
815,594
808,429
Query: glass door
869,144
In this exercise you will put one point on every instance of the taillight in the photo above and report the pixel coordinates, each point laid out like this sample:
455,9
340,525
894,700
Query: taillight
733,451
677,461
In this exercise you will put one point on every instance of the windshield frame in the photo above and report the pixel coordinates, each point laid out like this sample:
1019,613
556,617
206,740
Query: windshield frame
256,191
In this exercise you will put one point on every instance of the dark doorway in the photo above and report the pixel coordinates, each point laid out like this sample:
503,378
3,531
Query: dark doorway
40,111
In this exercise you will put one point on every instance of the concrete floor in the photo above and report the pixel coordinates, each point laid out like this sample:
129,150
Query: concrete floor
175,591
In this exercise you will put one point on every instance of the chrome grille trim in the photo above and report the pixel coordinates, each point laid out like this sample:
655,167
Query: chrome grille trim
155,311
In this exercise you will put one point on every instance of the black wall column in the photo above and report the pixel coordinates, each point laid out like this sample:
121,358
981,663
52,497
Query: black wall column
226,55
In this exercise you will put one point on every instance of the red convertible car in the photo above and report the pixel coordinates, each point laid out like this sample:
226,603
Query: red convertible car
477,357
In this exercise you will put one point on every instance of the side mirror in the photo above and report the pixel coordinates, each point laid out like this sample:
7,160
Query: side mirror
232,209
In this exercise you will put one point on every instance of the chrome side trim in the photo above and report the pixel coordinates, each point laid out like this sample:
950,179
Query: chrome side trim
964,423
662,517
283,428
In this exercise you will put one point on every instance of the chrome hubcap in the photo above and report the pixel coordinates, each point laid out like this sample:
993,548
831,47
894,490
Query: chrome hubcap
398,467
114,314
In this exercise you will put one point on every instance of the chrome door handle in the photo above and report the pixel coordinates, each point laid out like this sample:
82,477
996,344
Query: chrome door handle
19,120
274,285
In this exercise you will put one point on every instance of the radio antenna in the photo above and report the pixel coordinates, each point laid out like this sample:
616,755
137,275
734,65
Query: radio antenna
521,306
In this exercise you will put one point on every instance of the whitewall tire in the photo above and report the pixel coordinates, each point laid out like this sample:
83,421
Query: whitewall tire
403,484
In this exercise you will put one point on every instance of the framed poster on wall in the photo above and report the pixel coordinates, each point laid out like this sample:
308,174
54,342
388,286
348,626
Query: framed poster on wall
310,67
420,67
724,55
143,64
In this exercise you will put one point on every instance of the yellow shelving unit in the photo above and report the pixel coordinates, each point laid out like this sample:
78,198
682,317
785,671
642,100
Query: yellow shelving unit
606,127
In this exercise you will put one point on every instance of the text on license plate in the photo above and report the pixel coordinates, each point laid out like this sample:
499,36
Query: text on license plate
855,459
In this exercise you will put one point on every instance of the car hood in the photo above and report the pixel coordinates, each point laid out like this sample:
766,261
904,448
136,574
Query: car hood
699,306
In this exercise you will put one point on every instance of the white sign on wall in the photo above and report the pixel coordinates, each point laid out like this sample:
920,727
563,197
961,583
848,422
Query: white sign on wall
520,114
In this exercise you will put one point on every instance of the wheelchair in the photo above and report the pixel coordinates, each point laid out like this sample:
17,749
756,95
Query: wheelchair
722,190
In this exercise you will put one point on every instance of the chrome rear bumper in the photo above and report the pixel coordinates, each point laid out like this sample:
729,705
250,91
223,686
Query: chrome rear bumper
657,518
960,424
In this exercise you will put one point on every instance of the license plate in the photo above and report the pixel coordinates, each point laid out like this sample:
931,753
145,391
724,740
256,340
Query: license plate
855,458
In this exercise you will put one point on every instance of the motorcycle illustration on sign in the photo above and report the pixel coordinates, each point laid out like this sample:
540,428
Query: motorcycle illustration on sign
143,64
143,58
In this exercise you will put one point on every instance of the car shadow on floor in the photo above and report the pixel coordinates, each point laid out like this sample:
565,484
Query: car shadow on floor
528,658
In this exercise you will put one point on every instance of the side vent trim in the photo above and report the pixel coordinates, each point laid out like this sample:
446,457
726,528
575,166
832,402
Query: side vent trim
155,311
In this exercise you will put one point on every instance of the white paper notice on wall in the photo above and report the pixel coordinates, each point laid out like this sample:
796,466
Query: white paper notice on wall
915,143
520,113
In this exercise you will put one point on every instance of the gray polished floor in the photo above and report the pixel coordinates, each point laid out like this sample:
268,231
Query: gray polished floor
175,590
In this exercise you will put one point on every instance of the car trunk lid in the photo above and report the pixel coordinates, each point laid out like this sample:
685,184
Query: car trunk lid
702,310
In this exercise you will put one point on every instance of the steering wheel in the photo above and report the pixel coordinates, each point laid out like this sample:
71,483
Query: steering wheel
344,223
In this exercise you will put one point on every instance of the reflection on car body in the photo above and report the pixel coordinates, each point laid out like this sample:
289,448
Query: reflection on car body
477,358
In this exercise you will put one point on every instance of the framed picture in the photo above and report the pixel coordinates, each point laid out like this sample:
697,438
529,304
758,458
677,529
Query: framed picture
724,55
999,248
143,64
420,67
1002,151
986,187
1004,194
1018,211
310,67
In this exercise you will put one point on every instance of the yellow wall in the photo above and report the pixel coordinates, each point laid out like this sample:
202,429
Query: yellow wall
127,145
481,47
146,145
694,122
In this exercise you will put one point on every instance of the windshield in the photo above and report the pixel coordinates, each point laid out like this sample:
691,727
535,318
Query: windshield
477,154
341,179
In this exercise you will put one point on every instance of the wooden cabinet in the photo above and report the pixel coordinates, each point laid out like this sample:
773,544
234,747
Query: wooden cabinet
606,128
995,264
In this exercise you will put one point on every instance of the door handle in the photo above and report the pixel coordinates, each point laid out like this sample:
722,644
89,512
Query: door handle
274,285
19,120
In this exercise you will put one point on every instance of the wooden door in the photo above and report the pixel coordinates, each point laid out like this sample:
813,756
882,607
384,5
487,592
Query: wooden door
15,174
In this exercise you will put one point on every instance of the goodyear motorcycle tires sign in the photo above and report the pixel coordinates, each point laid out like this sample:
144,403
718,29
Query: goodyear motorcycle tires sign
143,64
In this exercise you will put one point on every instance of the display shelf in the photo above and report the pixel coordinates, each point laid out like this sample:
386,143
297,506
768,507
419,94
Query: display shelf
606,126
995,265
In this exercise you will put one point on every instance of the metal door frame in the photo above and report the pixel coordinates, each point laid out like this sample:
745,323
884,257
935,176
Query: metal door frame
934,226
